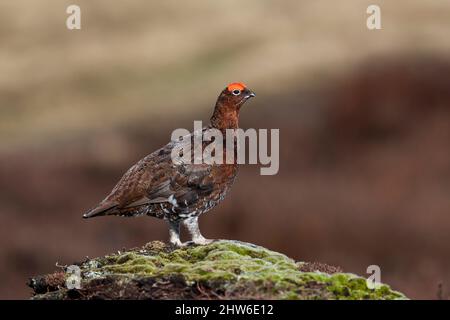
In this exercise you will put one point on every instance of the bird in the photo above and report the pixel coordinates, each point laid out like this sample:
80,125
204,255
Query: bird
179,192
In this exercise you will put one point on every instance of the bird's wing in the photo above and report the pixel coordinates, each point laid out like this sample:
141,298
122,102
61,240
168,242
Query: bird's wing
182,183
157,179
164,180
132,189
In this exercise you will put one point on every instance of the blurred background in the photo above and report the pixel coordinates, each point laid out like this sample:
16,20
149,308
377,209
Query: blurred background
364,119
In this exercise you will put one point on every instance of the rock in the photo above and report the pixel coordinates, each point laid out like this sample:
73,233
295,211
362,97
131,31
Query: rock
223,269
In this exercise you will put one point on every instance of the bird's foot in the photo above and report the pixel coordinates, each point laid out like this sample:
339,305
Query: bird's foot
197,238
202,241
177,243
195,242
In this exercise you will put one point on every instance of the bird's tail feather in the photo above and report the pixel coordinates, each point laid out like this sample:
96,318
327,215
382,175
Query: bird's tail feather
102,209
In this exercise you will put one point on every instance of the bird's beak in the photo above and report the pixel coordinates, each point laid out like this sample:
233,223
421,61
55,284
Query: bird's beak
250,94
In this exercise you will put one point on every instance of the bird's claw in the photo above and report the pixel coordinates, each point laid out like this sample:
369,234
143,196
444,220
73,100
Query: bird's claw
202,241
196,242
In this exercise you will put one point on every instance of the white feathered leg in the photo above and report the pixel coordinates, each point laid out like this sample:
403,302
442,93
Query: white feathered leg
174,233
194,230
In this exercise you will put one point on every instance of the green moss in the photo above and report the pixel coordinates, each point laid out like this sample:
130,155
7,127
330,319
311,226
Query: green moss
235,266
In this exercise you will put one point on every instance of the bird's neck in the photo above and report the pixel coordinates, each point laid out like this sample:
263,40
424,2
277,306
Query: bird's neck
225,117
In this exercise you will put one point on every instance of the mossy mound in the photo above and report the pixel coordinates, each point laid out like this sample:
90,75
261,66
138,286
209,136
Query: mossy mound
223,269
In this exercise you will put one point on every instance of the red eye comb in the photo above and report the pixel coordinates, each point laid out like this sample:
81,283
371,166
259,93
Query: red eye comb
236,86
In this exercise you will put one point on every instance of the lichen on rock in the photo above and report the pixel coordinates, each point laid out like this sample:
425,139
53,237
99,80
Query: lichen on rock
222,269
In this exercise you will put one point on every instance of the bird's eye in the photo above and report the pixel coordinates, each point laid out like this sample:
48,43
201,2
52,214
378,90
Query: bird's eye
236,92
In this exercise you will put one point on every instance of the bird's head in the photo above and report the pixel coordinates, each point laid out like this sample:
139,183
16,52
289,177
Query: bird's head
234,95
231,99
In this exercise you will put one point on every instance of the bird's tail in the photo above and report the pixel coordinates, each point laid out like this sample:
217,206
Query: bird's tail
102,209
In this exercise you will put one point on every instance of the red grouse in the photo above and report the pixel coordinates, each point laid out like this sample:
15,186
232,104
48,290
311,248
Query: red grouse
179,192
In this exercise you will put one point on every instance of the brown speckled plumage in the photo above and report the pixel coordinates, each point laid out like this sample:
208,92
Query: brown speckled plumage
157,187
